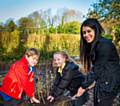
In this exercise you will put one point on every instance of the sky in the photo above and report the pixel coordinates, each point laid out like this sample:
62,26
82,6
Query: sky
16,9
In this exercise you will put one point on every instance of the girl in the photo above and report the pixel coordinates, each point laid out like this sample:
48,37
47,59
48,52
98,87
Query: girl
68,77
100,59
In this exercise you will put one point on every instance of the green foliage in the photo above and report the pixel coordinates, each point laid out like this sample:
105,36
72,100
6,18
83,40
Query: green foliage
60,28
107,36
11,26
69,28
116,31
107,9
72,27
1,26
116,36
25,22
52,29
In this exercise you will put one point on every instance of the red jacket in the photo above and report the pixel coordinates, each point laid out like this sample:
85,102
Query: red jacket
18,80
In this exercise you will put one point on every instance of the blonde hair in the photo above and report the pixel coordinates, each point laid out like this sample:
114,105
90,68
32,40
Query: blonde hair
65,55
32,51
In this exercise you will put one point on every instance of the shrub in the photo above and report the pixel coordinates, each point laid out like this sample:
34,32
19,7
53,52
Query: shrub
55,42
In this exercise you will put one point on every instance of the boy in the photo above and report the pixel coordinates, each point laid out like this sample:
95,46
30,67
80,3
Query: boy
20,78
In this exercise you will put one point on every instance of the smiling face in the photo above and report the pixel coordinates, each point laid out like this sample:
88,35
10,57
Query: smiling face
88,34
58,60
32,60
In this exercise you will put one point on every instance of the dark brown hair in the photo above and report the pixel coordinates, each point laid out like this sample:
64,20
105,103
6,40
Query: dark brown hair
87,49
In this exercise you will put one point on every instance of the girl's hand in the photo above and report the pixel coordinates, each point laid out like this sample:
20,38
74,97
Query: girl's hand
80,92
34,100
50,98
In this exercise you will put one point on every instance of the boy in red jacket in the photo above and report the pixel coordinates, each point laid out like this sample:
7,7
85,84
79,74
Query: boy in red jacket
20,78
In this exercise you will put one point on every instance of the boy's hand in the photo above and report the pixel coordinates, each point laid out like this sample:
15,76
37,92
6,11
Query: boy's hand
50,98
34,100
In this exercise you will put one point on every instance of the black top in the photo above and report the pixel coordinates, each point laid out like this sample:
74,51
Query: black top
106,67
71,80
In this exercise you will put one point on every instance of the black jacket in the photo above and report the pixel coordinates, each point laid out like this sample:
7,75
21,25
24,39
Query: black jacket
71,80
106,68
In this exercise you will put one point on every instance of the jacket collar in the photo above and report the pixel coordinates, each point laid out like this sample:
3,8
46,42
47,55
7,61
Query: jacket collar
24,60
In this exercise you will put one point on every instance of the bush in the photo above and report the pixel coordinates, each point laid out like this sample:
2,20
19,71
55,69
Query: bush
51,43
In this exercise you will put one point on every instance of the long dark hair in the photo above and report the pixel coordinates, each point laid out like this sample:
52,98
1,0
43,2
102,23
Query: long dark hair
86,49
